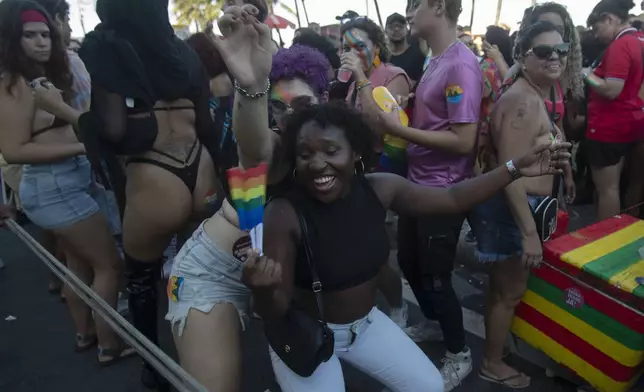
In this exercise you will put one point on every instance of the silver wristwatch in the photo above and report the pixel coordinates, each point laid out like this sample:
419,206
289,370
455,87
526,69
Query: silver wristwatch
514,173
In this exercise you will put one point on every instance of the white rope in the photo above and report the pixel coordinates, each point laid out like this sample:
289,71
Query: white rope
166,367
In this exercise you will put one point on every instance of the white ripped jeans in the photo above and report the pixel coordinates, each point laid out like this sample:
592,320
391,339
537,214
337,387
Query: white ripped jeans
376,346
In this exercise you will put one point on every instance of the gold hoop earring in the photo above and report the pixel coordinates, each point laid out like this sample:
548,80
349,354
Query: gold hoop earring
294,173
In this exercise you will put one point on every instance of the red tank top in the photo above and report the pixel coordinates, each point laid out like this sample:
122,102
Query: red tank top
559,106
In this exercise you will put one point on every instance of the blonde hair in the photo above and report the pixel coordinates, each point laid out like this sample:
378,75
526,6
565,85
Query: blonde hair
572,82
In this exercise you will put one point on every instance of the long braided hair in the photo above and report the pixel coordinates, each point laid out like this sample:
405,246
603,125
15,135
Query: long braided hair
572,82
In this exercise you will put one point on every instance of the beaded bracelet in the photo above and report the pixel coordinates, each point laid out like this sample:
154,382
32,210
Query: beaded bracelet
246,94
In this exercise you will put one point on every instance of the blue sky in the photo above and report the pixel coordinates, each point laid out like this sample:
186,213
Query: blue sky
324,12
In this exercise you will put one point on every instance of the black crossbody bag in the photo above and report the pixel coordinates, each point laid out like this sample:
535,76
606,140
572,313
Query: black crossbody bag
545,213
301,341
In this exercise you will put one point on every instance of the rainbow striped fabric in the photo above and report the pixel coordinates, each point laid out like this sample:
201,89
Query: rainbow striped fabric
248,193
394,155
584,308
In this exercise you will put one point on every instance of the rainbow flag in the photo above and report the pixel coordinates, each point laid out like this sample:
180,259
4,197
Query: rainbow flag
248,193
584,308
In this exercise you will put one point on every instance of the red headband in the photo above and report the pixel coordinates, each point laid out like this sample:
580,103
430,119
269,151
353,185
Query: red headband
32,16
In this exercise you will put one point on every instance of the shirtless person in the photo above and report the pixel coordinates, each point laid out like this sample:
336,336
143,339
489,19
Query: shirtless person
504,225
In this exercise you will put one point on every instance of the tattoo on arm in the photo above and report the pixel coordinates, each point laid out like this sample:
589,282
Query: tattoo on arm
518,115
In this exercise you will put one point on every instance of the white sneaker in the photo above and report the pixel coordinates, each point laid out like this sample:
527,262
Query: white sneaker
455,368
425,331
400,315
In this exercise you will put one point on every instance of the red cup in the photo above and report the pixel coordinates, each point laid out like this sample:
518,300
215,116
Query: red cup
344,75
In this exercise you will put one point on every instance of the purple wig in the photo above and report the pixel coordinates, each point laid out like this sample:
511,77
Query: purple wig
304,63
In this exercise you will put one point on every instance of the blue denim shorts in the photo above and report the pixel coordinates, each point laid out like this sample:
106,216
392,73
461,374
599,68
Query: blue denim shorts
497,235
58,195
202,276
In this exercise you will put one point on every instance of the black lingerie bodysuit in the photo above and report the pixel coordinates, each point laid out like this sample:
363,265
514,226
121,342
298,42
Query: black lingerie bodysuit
348,237
187,173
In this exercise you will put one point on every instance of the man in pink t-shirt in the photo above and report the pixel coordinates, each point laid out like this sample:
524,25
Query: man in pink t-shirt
441,151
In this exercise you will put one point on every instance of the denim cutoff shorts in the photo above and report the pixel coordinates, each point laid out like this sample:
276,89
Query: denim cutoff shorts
58,195
497,235
202,276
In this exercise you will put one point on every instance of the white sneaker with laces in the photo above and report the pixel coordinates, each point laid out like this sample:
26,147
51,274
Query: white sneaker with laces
400,315
455,368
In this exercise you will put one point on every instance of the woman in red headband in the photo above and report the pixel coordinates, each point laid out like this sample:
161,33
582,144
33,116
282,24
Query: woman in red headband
56,185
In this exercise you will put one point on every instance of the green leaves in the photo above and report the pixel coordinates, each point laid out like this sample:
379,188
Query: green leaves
199,12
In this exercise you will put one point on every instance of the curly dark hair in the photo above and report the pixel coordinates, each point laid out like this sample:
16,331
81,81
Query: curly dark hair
360,136
15,63
208,53
302,62
375,33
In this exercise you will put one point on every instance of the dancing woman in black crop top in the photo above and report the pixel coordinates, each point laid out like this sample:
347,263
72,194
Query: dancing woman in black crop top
328,147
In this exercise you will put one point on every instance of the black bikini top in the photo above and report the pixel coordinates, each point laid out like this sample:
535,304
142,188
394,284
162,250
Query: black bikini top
348,237
58,123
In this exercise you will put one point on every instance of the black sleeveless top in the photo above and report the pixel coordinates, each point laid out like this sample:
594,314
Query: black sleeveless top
348,237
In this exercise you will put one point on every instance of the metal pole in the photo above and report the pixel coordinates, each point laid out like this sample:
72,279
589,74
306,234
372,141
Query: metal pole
375,2
297,14
306,13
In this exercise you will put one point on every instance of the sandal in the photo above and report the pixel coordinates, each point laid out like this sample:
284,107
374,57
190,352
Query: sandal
517,381
116,354
85,342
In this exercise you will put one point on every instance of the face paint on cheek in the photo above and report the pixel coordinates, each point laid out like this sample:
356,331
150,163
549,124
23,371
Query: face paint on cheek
279,94
364,53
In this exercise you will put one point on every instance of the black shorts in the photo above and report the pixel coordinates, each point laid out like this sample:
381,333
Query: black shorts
604,154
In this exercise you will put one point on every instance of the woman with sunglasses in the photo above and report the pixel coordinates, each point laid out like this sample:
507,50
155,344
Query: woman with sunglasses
615,117
56,183
567,95
209,306
505,229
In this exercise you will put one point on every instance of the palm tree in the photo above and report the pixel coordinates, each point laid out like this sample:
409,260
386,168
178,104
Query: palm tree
499,6
199,12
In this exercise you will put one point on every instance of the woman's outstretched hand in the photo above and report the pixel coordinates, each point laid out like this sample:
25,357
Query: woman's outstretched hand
548,158
246,46
260,272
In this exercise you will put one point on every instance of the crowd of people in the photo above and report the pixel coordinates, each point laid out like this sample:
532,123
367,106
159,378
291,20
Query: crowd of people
121,146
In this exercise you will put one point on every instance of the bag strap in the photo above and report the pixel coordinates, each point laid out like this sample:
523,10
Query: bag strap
316,286
556,181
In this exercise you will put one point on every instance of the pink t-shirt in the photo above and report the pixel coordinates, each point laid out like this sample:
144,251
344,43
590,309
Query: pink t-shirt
449,92
381,76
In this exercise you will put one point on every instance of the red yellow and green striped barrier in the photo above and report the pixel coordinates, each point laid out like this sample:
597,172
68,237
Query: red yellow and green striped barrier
582,308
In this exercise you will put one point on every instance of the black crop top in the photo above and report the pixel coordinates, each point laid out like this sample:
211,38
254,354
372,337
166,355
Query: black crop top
348,237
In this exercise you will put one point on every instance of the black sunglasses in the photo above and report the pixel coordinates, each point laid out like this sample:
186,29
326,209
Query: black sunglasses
544,52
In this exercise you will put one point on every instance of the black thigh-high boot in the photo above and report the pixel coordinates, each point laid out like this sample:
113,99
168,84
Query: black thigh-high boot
142,278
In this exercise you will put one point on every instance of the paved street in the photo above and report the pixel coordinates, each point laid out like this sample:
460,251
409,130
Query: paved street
36,349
